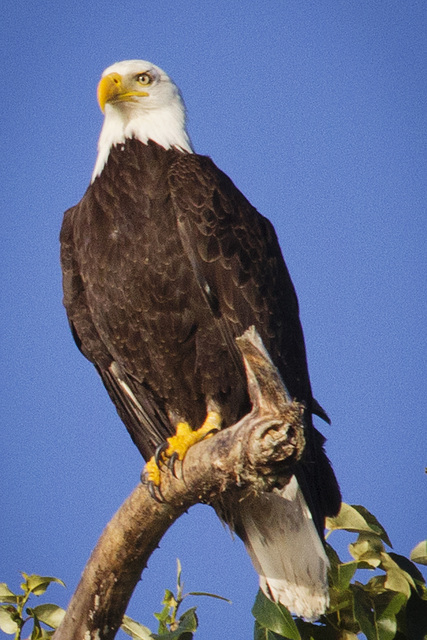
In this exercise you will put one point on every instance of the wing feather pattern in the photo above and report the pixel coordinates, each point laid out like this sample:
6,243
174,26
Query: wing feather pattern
147,424
238,264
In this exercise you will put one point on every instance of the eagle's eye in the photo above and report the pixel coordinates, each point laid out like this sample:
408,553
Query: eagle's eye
144,78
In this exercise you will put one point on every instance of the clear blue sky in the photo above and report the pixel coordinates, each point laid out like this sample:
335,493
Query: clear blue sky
317,111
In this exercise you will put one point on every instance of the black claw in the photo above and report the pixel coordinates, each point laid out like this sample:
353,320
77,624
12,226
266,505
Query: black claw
171,463
155,492
153,489
158,453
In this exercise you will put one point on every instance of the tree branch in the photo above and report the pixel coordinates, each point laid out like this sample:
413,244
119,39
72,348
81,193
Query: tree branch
242,458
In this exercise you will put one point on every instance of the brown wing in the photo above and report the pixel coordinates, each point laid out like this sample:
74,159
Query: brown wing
238,263
239,266
147,424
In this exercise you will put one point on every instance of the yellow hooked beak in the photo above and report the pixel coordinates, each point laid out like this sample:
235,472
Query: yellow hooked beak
111,89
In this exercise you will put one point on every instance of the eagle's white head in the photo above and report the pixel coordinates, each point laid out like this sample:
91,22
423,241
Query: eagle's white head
139,101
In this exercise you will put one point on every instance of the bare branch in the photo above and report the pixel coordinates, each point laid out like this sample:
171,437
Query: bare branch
241,458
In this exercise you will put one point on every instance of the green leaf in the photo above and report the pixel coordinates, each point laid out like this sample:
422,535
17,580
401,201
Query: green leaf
261,633
179,572
367,549
187,624
8,616
164,618
38,584
349,519
363,612
188,621
341,601
373,523
275,617
419,553
386,606
6,595
135,629
406,565
345,572
37,632
209,595
386,628
375,585
389,604
339,574
397,579
333,557
49,614
376,614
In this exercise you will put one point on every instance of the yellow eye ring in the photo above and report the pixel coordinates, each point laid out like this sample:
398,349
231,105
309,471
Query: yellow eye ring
144,78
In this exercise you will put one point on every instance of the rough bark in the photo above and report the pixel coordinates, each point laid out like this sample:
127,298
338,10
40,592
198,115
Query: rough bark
241,458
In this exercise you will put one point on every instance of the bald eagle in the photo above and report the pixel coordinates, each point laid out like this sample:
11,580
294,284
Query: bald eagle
164,264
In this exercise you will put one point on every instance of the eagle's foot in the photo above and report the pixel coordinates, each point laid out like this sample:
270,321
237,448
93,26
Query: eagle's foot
177,446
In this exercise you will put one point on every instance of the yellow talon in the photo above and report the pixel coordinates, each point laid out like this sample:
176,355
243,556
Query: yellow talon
185,436
179,444
152,472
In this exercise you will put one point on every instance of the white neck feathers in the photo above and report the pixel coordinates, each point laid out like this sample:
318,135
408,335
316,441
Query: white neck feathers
163,126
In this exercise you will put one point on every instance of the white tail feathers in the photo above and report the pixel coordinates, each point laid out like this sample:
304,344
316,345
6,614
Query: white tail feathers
286,550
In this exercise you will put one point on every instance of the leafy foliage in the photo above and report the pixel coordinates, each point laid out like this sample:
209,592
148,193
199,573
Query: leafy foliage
14,613
391,605
171,627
